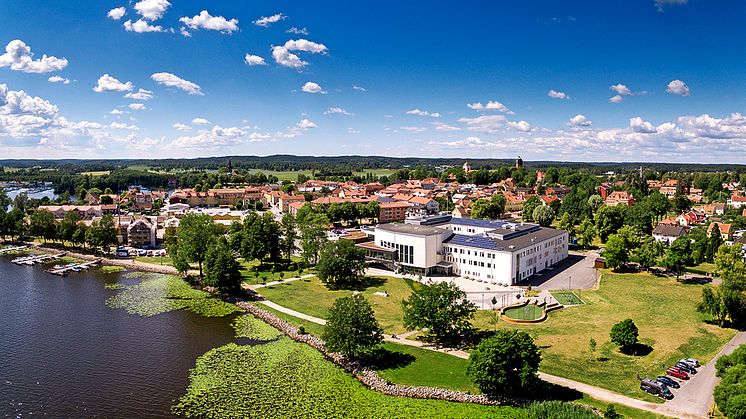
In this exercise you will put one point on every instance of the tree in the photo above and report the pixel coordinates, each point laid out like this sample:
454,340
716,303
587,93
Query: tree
221,268
640,217
624,334
730,394
698,244
68,225
712,304
591,345
79,234
529,206
196,231
730,264
680,202
648,252
41,224
488,209
678,256
506,363
442,308
260,238
313,237
351,327
289,234
595,202
616,252
713,243
586,232
102,233
658,204
340,263
544,215
609,220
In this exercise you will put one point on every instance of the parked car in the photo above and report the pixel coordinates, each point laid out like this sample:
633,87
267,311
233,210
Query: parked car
656,388
686,368
668,381
691,362
675,372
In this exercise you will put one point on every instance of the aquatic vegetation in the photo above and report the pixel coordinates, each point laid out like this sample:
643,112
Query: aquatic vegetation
248,326
110,269
288,379
114,286
157,293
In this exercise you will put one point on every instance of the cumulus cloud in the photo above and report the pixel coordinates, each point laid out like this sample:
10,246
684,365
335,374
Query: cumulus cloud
172,80
297,31
284,57
58,79
117,112
311,87
639,125
254,60
121,125
216,137
443,127
116,13
413,129
141,94
141,26
266,21
677,87
182,127
419,112
558,95
337,110
579,121
18,57
359,88
215,23
468,142
306,124
200,121
621,91
492,105
107,83
152,9
522,126
484,123
136,106
616,99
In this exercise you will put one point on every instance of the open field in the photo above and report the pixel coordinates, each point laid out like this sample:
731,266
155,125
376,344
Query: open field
702,269
567,298
155,260
252,276
663,310
311,297
527,312
96,173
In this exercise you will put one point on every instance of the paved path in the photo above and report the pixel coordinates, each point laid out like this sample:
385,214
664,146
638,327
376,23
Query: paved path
694,398
576,272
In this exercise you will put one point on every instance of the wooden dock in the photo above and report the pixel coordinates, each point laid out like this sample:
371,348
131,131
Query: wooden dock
74,267
12,249
34,259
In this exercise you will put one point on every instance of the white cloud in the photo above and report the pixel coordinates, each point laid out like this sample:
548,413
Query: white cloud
579,121
311,87
360,88
297,31
141,94
141,26
121,125
639,125
171,80
468,142
284,57
443,127
484,123
414,129
182,127
136,106
200,121
266,21
254,60
616,99
215,137
338,110
58,79
677,87
490,106
116,13
306,124
152,9
107,83
117,112
18,57
621,91
419,112
558,95
205,21
522,126
660,4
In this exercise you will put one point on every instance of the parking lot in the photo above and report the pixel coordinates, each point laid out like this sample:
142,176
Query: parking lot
575,272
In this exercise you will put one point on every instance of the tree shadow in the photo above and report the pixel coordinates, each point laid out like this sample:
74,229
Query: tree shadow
638,349
361,283
383,359
548,391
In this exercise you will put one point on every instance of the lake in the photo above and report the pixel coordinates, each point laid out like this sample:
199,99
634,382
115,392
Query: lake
64,353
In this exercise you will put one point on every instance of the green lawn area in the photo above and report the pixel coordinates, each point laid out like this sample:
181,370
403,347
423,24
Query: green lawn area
567,298
311,297
310,327
527,312
702,269
291,175
157,260
663,310
249,271
96,173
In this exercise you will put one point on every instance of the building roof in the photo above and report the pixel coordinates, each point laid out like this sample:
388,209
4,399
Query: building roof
509,245
669,230
411,229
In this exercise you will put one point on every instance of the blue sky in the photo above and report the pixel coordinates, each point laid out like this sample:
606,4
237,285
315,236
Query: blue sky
585,81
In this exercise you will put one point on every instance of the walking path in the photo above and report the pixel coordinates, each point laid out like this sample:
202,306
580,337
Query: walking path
282,281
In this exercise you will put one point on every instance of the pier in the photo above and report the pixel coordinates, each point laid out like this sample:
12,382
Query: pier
73,267
34,259
12,249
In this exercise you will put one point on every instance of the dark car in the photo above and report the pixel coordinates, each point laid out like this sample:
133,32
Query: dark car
668,381
675,372
686,368
656,388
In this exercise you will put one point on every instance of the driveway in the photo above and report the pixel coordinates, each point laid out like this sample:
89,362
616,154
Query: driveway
694,398
575,272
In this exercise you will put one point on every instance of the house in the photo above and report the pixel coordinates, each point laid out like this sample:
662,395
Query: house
604,190
665,233
668,188
461,212
725,230
422,206
690,218
285,200
737,201
717,208
619,197
392,211
85,212
142,232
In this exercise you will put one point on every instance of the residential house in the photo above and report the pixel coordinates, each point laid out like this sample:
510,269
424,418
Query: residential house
668,188
85,212
725,230
619,197
737,201
392,211
665,233
142,232
690,218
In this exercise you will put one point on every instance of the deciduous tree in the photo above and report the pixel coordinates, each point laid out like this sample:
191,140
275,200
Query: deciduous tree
442,308
351,327
506,363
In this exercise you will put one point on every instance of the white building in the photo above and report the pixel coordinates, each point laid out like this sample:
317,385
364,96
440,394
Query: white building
497,252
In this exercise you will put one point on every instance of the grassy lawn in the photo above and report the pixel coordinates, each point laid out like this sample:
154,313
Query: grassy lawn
291,175
311,297
96,173
663,310
567,298
250,270
310,327
527,312
157,260
702,269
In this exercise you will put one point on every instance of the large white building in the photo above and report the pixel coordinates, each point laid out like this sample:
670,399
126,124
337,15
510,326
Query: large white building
496,252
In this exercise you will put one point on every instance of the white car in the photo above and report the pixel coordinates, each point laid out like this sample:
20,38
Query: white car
691,362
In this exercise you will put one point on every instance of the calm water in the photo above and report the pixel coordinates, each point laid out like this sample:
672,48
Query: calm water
64,353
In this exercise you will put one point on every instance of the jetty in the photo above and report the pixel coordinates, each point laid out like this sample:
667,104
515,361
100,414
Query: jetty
73,267
34,259
12,249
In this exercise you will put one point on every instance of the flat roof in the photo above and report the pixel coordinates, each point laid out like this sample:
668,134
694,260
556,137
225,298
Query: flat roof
411,229
517,243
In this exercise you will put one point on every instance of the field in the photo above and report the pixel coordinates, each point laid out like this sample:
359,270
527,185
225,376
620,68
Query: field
252,276
157,260
702,269
311,297
663,310
567,298
96,173
292,175
527,312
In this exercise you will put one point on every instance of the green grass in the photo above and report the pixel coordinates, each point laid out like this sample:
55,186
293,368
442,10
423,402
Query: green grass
527,312
252,272
567,298
310,296
703,268
291,175
157,260
110,269
627,412
96,173
310,327
663,310
289,379
248,326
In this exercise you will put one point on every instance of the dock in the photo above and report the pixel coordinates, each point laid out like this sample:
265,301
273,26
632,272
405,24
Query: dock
34,259
12,249
73,267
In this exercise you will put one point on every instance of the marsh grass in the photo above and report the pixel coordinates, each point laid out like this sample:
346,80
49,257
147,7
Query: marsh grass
248,326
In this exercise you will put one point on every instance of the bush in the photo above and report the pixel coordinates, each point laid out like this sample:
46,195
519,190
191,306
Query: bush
624,333
558,410
505,363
